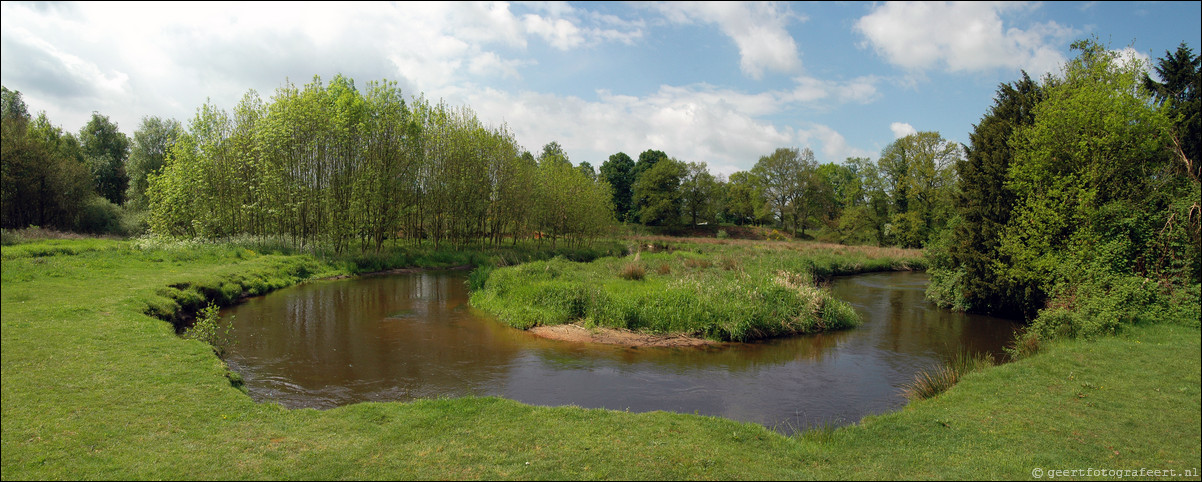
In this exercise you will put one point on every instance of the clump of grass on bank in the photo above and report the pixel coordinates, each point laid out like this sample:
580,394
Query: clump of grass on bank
930,383
734,292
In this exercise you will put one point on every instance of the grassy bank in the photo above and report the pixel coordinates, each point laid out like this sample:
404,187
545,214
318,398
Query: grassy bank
93,388
725,291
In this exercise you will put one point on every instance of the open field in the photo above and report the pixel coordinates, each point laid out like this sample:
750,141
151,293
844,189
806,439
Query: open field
94,388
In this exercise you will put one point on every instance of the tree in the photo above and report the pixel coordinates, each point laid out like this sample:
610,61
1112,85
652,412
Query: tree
657,193
553,152
1094,186
106,149
918,174
587,169
42,179
1181,93
150,145
742,198
697,189
12,107
619,172
786,179
984,204
647,160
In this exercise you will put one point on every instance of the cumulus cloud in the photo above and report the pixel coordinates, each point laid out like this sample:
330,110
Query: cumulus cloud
167,59
692,124
902,129
967,36
758,29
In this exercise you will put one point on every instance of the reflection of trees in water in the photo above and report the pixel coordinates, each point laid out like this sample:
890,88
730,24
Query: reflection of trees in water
733,357
903,321
406,334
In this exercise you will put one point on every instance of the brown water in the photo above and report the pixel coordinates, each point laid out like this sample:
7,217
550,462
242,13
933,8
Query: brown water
408,336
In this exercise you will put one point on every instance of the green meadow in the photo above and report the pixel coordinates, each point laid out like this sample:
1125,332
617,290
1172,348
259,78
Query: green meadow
97,386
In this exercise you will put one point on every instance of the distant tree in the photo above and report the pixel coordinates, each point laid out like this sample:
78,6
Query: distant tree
647,160
1181,93
12,107
919,176
587,169
553,152
106,148
151,142
742,198
697,189
42,181
786,178
657,193
619,172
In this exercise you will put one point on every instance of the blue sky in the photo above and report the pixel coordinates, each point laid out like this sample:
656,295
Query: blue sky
720,83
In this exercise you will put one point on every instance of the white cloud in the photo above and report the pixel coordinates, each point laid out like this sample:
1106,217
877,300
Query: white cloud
831,145
902,129
693,124
1127,55
860,90
962,36
131,60
758,29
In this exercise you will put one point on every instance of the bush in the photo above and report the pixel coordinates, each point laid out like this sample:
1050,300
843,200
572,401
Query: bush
99,216
208,329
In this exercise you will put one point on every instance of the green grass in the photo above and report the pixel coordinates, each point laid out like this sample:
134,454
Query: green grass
93,388
741,291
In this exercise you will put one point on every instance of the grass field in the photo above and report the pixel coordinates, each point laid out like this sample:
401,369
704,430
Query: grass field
94,388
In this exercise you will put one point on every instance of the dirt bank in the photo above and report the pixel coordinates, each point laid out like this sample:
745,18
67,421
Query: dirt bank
612,336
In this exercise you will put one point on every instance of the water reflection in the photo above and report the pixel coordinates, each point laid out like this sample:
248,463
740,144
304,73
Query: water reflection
402,337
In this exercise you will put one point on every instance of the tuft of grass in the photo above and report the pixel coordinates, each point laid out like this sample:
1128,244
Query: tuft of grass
633,271
664,269
930,383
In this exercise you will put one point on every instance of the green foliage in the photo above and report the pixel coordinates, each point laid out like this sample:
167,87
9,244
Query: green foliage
741,198
657,193
100,216
151,142
1181,94
697,189
619,172
330,166
964,277
209,329
44,182
105,148
917,174
1087,198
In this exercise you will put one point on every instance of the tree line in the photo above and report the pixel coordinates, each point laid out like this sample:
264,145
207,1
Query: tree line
326,165
332,165
903,198
1078,200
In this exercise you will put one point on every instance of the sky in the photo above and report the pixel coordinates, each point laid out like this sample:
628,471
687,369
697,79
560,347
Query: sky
713,82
